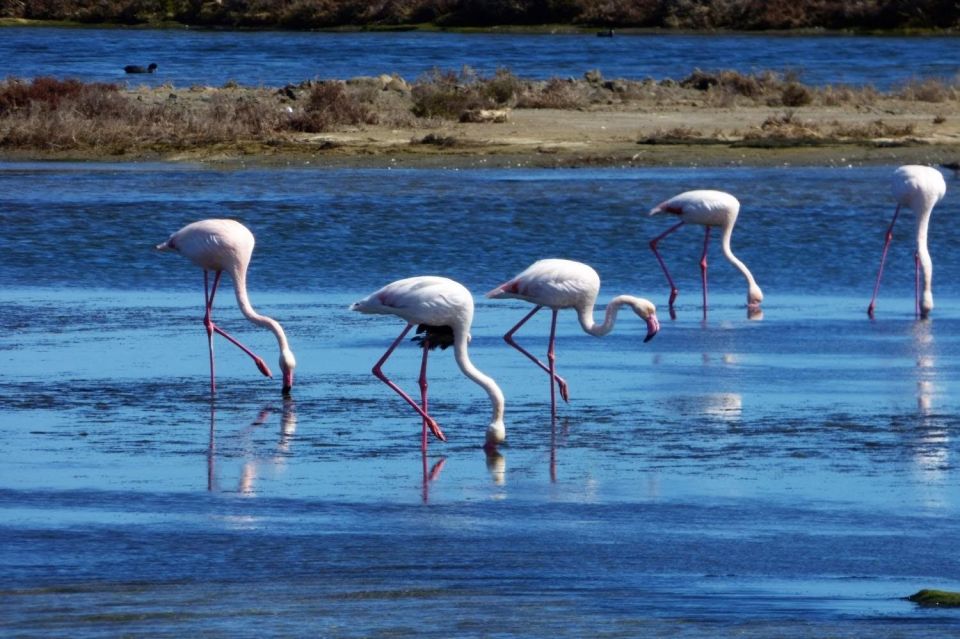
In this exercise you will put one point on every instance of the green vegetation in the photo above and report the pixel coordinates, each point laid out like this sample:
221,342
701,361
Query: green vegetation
749,15
934,598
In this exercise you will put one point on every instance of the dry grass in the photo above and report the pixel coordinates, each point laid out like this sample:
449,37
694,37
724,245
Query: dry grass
50,114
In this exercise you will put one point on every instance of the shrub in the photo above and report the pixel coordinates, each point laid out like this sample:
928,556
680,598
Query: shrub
329,105
795,94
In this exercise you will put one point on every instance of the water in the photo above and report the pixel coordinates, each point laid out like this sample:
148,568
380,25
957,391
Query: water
793,476
187,57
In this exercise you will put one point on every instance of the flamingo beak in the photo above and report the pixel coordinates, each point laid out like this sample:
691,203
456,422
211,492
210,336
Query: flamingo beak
653,327
287,383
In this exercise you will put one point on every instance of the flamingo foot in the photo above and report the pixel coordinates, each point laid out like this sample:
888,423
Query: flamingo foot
435,429
262,365
564,390
870,310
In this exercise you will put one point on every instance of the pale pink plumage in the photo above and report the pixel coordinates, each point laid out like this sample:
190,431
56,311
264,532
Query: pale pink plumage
558,284
435,302
226,245
919,188
708,209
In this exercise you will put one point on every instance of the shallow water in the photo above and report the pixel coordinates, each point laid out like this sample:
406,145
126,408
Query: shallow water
792,476
274,58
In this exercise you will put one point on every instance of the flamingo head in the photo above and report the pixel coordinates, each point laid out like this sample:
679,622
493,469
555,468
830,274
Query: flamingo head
496,435
287,364
754,296
648,312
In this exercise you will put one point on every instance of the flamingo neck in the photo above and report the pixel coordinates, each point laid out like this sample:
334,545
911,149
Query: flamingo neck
240,289
753,289
463,361
585,315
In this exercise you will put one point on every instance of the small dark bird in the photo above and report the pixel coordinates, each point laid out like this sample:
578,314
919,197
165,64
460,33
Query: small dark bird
136,68
953,166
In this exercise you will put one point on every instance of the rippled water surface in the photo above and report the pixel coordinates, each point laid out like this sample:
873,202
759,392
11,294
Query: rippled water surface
793,475
274,58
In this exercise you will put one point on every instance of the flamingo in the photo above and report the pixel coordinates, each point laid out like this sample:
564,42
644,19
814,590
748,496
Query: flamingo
918,188
226,245
443,311
709,209
559,284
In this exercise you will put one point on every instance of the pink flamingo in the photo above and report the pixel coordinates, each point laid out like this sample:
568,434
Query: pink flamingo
709,209
226,245
918,188
443,309
567,284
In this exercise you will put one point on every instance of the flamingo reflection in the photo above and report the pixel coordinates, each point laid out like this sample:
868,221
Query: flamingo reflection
251,467
932,444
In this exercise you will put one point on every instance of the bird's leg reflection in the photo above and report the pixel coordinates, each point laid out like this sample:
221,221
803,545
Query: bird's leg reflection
211,450
432,474
250,467
553,449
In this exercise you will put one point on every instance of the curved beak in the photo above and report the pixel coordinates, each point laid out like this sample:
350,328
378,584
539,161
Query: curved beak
653,327
287,383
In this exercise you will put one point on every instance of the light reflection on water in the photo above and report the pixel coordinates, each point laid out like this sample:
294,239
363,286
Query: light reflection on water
794,475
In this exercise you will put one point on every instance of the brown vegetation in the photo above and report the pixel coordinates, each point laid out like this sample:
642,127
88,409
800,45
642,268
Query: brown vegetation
49,115
671,14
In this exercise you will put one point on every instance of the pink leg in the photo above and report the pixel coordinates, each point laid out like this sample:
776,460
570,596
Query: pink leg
213,328
653,246
431,424
552,358
208,323
883,258
703,269
508,338
423,391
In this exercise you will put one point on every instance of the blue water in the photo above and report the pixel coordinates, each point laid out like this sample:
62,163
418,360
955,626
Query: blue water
791,476
187,57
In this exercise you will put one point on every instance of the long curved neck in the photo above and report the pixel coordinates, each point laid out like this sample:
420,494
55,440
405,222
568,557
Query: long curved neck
728,252
585,315
471,371
240,289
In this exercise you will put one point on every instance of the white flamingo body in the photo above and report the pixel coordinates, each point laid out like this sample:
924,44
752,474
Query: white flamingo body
919,188
559,284
220,245
708,209
433,301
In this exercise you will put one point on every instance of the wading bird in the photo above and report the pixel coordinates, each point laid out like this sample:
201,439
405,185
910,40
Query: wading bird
709,209
558,284
919,188
226,245
443,311
136,68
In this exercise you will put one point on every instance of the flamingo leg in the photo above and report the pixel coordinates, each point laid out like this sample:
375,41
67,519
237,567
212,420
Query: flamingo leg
213,328
653,247
552,358
208,323
508,338
423,391
431,423
883,258
703,269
